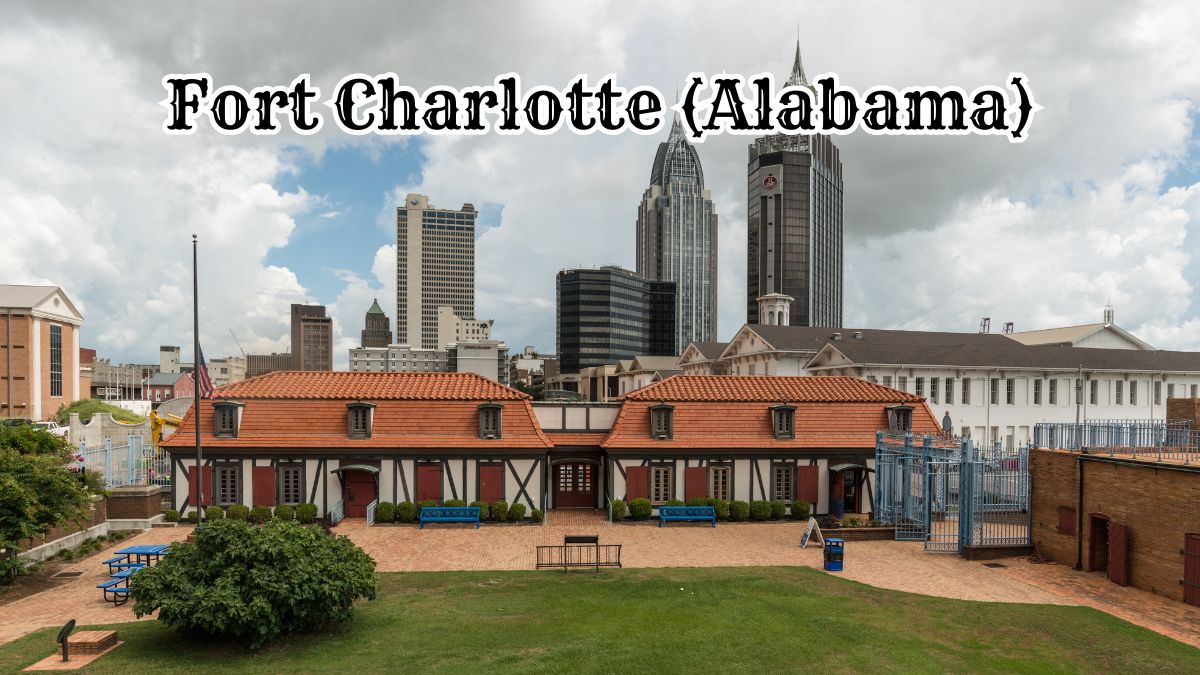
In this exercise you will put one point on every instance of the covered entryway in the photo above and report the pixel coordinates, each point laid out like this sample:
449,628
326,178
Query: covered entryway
847,485
575,485
360,487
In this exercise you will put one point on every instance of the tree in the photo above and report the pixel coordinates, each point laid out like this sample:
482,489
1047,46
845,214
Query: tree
251,583
38,490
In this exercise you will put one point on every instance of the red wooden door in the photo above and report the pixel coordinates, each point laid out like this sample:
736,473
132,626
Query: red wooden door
695,482
1118,553
429,482
360,492
491,482
205,480
574,486
1191,568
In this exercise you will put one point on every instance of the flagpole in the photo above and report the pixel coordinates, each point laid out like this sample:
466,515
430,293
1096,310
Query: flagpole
196,385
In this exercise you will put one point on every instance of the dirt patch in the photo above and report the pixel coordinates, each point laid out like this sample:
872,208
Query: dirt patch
41,580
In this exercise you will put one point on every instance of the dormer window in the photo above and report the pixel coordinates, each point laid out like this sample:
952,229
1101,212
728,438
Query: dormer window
226,419
661,422
358,419
900,418
489,420
783,422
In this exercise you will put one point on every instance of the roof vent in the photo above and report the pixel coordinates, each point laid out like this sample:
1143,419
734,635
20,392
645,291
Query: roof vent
857,335
836,337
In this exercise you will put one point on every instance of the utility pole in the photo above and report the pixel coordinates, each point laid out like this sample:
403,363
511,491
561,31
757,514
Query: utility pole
196,389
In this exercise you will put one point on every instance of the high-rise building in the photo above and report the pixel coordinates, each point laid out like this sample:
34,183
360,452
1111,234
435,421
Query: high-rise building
794,223
452,328
608,314
435,266
312,338
677,237
377,331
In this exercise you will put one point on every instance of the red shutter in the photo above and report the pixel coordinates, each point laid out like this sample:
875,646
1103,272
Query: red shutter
264,486
695,482
429,482
491,482
206,477
1118,553
637,482
807,484
1191,569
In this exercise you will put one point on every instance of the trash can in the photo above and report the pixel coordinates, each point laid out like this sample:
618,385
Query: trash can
834,549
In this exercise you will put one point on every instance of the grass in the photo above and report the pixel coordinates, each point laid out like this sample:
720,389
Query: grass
767,619
88,407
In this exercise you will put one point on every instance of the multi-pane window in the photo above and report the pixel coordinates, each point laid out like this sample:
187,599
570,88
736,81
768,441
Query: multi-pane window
226,420
360,421
994,386
1037,391
783,420
920,386
902,383
1053,392
1158,393
900,418
1010,391
661,484
291,483
887,380
966,391
1170,391
1193,389
949,393
56,365
1133,392
660,421
489,421
1094,392
718,481
933,389
783,482
227,484
1119,395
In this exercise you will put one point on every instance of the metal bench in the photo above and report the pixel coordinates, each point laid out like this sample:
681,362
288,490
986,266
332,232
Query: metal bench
115,592
449,514
113,562
579,550
687,513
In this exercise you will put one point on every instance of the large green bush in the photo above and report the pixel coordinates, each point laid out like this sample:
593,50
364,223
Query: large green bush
760,510
499,510
238,512
801,510
385,512
306,513
619,509
739,510
406,512
516,512
778,509
640,508
252,584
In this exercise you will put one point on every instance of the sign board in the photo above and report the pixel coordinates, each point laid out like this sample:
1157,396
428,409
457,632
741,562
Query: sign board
808,532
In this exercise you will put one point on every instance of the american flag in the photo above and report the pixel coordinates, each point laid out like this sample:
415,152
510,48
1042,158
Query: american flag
203,381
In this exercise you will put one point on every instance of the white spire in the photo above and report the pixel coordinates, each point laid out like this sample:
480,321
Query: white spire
798,77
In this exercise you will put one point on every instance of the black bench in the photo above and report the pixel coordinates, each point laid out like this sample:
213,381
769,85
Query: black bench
579,550
687,513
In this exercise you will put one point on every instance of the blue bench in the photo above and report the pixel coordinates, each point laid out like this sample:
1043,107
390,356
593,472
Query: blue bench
449,514
114,592
687,513
114,562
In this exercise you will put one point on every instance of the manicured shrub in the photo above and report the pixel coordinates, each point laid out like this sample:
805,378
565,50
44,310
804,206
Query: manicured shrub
252,584
828,522
385,512
285,512
406,512
422,504
537,515
171,516
214,512
674,502
619,509
739,510
191,516
306,513
778,509
801,509
516,512
640,508
699,501
484,511
720,507
455,502
260,514
760,510
499,510
238,512
851,521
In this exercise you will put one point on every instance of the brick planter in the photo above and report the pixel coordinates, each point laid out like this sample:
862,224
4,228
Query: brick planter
861,533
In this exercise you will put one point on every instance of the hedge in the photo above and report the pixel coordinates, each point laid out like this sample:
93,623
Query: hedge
385,512
214,513
306,513
619,509
260,514
760,510
500,510
285,512
516,512
406,512
739,510
778,509
801,509
238,512
484,510
721,507
640,508
537,515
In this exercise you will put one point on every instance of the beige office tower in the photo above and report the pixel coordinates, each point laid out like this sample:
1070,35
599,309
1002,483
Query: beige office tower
435,266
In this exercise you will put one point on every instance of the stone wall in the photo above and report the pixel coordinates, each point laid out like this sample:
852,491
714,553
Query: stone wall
101,426
1158,502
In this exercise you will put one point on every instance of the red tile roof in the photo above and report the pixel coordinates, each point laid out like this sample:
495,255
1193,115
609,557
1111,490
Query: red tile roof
730,412
370,386
577,439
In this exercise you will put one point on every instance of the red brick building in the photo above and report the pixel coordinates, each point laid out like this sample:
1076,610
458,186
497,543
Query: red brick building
161,387
39,351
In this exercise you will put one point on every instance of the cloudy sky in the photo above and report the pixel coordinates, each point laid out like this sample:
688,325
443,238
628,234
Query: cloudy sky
1102,201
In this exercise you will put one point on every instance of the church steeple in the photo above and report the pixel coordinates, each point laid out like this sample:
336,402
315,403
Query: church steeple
798,77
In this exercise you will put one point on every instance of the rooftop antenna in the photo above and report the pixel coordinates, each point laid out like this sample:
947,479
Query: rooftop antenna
985,324
1108,312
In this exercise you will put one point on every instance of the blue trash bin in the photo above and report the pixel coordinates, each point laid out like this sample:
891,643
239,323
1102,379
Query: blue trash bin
834,550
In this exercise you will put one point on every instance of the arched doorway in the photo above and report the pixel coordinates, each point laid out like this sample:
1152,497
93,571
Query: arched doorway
360,487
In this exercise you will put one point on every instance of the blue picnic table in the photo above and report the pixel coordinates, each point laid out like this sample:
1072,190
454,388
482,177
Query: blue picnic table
145,553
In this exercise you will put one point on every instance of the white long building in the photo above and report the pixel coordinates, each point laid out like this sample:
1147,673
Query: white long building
991,386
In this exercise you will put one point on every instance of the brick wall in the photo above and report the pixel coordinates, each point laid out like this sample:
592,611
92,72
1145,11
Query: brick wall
21,405
98,515
135,503
1184,409
1158,505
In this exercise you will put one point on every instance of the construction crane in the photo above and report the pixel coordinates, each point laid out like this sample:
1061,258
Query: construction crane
238,343
159,422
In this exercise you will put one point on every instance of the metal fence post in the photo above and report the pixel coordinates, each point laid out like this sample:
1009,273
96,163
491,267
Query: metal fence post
108,482
927,453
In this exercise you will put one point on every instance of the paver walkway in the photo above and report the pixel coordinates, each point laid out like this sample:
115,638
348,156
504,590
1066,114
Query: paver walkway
902,566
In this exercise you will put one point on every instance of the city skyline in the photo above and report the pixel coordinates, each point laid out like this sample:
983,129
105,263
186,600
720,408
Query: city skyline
288,219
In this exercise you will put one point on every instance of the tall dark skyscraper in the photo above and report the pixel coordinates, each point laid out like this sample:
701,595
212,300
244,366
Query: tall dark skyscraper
794,223
677,237
608,314
376,331
312,338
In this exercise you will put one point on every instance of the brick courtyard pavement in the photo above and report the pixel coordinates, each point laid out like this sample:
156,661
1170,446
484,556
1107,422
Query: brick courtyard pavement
902,566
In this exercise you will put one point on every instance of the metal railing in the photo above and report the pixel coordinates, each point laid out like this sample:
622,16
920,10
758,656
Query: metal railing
371,512
568,556
1154,441
135,463
337,513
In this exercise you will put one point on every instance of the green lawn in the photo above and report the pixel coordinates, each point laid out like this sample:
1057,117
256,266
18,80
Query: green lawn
773,619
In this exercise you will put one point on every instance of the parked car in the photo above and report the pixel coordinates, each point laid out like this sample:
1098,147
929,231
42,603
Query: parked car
53,428
15,422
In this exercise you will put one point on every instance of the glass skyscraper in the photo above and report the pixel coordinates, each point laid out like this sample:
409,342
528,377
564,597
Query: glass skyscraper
794,223
608,314
677,237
